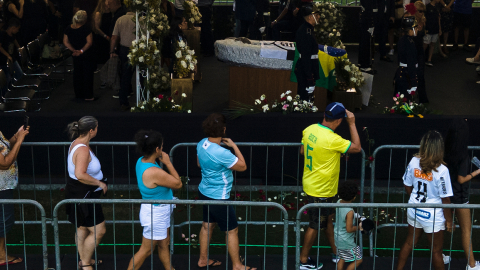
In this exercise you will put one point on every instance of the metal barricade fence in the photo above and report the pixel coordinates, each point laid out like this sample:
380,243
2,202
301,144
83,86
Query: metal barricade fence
24,239
388,246
188,203
398,172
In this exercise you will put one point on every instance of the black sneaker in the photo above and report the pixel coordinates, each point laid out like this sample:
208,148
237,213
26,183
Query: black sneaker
310,265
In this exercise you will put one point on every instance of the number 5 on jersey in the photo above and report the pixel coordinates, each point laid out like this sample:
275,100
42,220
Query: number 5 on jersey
309,157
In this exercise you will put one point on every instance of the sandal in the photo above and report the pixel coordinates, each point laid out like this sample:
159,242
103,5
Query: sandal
98,263
12,261
90,265
211,265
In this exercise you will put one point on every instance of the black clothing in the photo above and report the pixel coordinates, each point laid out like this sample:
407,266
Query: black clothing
8,15
8,44
66,8
83,214
306,68
119,13
169,12
421,88
206,34
386,10
245,12
432,26
367,20
406,77
102,45
290,4
7,213
223,215
460,191
83,65
262,6
126,78
34,21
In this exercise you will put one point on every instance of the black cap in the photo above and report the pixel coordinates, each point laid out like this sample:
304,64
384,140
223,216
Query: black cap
408,22
307,9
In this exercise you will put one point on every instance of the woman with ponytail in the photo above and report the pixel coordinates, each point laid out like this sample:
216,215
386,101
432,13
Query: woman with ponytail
154,184
78,38
85,182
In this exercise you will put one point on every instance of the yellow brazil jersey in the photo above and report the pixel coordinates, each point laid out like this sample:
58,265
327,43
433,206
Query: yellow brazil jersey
322,149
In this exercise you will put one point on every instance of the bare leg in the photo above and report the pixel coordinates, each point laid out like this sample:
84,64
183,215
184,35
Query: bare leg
90,242
142,254
354,265
430,51
3,252
205,236
445,39
164,252
456,31
340,264
464,220
437,258
308,241
408,246
330,235
231,238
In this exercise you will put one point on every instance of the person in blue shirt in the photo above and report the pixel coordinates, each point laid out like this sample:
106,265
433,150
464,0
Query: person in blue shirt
154,184
217,164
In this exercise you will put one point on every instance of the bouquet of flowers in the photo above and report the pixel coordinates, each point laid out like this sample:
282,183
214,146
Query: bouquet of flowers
144,53
157,24
159,80
191,13
348,74
330,24
140,5
161,104
403,106
185,60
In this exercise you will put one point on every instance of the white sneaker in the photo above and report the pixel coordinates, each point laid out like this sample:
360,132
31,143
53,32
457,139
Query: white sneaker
446,259
477,266
391,52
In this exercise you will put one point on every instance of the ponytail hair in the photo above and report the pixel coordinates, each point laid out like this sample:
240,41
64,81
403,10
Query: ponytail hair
79,18
147,142
81,127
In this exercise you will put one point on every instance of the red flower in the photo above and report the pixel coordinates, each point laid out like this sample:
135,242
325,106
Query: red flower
160,96
169,98
176,92
412,93
405,100
370,158
392,110
261,191
283,99
238,195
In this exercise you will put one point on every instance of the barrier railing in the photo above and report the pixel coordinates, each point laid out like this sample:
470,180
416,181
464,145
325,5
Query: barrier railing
377,216
24,223
399,171
188,203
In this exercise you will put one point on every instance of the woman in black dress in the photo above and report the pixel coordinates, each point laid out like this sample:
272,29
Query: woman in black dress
406,75
34,22
169,48
78,39
101,25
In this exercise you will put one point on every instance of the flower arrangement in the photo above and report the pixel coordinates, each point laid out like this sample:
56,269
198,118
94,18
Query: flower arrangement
157,24
159,80
186,60
191,13
144,53
403,106
141,5
348,75
161,104
330,25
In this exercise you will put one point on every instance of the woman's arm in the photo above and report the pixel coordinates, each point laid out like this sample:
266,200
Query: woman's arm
98,23
89,43
448,214
349,222
469,177
67,43
7,161
81,159
240,166
13,9
160,177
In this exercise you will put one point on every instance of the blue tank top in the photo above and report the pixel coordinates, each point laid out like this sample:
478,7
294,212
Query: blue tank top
158,193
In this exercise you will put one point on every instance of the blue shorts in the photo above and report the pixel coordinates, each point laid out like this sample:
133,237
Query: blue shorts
223,215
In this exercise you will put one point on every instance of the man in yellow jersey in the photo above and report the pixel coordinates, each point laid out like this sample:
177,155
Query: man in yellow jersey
322,149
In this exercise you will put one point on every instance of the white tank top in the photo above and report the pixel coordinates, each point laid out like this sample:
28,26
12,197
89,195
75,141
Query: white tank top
94,168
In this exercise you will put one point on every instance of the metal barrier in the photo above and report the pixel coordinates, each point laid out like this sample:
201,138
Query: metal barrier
400,190
378,216
27,223
189,203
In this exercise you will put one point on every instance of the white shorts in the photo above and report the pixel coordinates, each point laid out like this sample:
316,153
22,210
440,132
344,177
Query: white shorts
161,220
427,39
428,227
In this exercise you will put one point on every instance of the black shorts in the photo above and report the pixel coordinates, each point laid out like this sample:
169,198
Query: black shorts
320,215
462,20
223,215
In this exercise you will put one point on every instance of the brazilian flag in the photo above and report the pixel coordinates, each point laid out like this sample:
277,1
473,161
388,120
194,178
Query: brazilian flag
326,63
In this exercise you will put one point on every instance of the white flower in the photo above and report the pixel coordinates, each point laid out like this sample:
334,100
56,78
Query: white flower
314,109
188,58
184,65
275,197
273,226
288,92
142,45
189,111
338,34
143,107
297,109
134,50
178,54
191,52
138,2
353,79
330,35
274,105
303,193
160,27
164,79
295,103
197,18
192,20
184,95
282,95
262,97
154,75
401,96
239,218
156,52
156,85
347,68
269,199
181,44
289,98
156,99
140,59
257,102
194,61
191,67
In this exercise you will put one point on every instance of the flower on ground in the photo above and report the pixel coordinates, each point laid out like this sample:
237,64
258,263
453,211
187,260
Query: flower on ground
184,95
257,102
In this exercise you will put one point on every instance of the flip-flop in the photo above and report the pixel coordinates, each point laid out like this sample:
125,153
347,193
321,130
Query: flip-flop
11,261
211,265
98,263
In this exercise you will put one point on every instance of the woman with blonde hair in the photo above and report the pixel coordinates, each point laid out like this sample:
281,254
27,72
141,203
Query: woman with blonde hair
427,180
78,39
102,18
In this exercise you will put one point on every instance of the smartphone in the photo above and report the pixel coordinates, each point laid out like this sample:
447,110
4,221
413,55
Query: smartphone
476,162
25,122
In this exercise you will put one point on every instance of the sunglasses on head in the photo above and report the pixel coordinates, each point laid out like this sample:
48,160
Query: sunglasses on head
421,11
